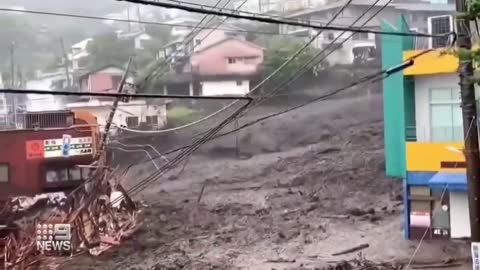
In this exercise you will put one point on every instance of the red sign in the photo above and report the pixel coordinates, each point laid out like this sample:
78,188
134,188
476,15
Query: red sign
34,149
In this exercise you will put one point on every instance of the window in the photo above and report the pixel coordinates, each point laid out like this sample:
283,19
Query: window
360,36
198,42
232,60
57,175
152,120
4,173
446,122
239,83
439,25
330,36
132,121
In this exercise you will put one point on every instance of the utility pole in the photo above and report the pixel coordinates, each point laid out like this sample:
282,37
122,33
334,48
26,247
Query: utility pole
66,63
469,110
12,64
128,19
12,70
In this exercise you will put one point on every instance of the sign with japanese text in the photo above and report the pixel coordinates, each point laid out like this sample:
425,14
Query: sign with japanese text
64,147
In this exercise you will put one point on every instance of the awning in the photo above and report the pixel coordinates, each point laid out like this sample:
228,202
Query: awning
452,181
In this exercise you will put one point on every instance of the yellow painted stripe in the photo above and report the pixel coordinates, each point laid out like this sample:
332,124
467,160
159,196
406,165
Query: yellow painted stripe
426,157
431,63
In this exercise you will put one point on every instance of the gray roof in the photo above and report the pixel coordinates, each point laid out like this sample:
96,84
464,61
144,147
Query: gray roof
402,5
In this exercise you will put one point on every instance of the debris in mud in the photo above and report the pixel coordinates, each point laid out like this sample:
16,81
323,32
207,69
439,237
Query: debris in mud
351,250
100,218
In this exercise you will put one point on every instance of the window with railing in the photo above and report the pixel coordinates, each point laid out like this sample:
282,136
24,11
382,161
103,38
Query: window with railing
446,122
440,25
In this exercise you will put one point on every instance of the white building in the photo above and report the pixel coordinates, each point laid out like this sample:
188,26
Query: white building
139,38
79,53
46,82
135,114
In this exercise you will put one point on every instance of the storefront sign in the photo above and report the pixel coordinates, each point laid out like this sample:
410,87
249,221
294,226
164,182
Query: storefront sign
64,147
34,149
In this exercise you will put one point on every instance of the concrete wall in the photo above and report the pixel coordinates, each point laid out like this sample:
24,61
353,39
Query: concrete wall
217,88
459,216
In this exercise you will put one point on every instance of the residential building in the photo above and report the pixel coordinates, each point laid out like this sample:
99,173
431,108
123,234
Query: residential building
78,55
104,79
360,45
139,38
179,30
424,138
226,67
135,114
184,45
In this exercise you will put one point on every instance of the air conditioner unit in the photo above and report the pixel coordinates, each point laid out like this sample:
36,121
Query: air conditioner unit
440,25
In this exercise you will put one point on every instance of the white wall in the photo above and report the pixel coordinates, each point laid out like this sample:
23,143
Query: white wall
218,88
101,110
459,216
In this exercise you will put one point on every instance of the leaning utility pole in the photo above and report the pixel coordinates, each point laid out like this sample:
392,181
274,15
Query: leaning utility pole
108,124
469,110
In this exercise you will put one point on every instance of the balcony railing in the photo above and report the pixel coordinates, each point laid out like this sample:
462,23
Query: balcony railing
34,120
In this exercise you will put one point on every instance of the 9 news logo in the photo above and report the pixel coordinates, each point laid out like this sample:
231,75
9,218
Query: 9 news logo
53,238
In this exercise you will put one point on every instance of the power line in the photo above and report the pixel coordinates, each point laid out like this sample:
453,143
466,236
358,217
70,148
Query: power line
69,15
255,88
306,67
379,75
252,13
367,79
116,95
188,38
278,21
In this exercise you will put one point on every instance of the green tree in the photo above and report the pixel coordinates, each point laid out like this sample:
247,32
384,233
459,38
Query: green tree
279,50
107,49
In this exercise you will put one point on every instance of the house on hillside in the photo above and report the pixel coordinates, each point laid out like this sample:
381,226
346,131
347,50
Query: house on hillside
226,67
420,15
181,26
78,55
424,138
104,79
139,38
186,45
134,114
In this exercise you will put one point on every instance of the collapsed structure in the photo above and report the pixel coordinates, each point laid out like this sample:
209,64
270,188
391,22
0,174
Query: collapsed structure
52,171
